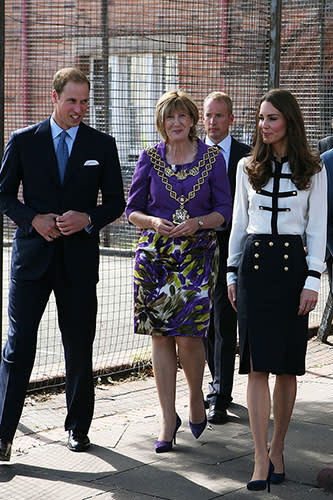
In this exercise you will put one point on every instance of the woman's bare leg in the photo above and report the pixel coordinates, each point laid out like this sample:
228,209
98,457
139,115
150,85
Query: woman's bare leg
165,368
283,403
191,353
259,407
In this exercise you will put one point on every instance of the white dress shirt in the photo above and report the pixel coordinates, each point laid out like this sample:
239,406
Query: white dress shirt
305,214
225,146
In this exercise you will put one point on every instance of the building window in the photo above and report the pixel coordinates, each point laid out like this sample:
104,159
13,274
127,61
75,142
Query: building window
136,81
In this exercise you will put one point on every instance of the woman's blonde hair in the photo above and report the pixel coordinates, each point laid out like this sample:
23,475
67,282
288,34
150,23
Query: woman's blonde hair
172,101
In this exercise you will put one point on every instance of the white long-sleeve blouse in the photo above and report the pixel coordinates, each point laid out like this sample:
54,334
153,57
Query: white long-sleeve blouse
287,210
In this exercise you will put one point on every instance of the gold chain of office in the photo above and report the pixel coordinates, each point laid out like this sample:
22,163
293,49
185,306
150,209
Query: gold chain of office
208,159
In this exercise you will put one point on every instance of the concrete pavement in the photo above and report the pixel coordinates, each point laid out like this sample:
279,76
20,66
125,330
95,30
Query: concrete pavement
121,464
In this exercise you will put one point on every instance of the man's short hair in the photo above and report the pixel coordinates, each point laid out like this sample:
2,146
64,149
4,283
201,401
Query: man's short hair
65,75
220,97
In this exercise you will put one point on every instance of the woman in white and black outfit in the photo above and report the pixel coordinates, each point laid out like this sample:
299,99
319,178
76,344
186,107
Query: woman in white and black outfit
279,211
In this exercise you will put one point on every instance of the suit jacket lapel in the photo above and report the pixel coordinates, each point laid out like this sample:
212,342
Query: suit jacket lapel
46,149
233,161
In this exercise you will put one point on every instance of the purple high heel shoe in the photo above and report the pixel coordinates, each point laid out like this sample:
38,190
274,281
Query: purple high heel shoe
197,429
164,446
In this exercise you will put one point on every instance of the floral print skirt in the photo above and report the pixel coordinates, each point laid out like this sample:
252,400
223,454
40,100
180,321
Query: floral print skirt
174,282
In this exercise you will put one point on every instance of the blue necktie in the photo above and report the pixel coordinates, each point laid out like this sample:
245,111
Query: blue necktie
62,155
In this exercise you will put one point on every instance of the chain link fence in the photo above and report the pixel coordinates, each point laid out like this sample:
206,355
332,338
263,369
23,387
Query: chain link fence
132,52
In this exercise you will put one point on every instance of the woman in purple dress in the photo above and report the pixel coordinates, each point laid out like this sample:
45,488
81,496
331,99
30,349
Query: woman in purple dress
179,194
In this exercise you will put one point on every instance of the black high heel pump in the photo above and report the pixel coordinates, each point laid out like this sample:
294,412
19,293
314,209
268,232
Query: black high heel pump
278,477
261,484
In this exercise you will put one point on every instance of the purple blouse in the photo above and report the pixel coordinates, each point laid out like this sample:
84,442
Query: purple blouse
149,195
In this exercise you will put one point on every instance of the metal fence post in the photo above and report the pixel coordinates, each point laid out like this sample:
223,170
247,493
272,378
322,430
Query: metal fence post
324,126
275,44
2,122
105,64
106,88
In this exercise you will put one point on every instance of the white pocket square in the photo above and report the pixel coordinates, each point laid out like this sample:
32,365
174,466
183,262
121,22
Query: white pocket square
91,163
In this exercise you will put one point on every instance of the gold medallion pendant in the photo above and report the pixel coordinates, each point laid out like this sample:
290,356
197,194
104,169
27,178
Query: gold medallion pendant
180,215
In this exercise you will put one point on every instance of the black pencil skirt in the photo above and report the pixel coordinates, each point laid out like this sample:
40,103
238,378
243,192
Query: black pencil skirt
271,277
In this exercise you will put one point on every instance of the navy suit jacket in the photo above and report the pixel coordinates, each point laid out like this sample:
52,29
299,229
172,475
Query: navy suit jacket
325,144
238,150
327,158
30,158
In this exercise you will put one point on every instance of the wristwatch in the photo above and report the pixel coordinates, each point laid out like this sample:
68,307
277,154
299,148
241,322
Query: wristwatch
200,222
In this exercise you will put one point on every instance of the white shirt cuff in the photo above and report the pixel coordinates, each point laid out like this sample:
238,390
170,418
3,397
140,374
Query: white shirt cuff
312,283
231,278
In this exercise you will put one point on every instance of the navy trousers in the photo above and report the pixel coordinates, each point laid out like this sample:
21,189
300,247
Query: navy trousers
222,335
77,308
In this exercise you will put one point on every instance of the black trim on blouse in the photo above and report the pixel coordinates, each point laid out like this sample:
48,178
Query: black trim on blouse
284,194
314,274
232,269
276,194
270,209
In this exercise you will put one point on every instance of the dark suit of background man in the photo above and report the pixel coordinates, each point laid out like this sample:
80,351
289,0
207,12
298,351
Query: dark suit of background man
222,333
325,144
327,158
55,248
325,147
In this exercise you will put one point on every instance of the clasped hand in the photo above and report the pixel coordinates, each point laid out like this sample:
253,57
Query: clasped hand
167,228
51,225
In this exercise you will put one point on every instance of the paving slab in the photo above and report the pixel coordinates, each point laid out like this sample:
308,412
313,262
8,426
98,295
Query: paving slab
121,463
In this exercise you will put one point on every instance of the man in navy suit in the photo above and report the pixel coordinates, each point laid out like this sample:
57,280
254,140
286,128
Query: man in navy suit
63,165
325,144
327,158
222,333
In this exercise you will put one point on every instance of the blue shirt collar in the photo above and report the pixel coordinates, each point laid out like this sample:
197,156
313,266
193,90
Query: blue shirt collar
56,130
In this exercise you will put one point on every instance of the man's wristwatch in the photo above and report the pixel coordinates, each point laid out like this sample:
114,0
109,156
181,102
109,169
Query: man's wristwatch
200,222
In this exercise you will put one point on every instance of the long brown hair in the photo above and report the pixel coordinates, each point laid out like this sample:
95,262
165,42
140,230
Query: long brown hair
303,163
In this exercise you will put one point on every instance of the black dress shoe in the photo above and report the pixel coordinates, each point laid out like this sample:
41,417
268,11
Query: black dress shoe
217,415
5,450
77,441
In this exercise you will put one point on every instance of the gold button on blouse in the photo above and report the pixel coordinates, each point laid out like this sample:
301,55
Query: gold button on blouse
286,244
256,255
256,243
286,256
256,267
286,268
271,243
